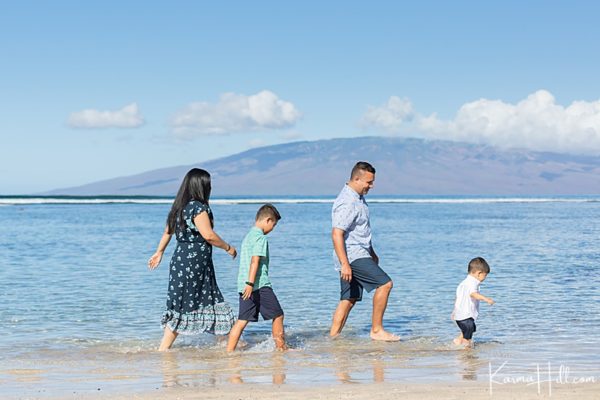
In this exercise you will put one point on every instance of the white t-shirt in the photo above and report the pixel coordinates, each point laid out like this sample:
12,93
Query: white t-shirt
466,306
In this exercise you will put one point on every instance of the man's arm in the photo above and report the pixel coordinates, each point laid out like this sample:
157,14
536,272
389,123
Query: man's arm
339,245
374,255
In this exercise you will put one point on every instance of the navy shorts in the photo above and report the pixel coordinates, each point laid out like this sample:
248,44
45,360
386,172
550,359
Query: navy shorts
366,274
467,327
261,301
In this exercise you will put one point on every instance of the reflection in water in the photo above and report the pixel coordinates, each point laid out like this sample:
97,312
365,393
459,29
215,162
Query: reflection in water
170,369
274,362
342,368
235,367
469,362
174,375
378,370
348,365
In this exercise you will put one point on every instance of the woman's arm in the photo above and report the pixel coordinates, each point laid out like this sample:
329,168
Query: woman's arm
204,226
162,245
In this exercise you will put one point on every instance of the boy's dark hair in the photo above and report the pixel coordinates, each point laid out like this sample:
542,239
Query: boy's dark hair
361,167
266,211
478,264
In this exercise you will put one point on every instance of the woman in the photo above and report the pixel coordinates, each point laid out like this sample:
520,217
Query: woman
194,302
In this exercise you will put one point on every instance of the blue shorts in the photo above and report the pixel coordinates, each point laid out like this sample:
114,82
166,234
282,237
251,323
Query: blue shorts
261,301
366,274
467,327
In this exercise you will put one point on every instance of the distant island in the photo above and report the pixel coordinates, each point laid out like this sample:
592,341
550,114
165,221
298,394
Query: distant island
405,166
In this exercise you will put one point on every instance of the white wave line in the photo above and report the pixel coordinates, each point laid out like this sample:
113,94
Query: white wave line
33,200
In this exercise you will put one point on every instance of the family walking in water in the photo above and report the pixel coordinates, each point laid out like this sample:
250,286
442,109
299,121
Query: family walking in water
195,304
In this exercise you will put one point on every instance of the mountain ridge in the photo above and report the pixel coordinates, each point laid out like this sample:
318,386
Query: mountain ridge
405,166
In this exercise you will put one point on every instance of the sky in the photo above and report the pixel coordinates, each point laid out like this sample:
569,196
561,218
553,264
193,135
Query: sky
99,89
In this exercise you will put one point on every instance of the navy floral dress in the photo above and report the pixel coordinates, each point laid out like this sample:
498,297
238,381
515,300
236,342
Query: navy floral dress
194,302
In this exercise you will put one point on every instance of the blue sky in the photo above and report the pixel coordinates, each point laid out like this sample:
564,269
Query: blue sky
96,90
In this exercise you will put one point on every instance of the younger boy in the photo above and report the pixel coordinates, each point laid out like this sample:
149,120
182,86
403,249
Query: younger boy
254,286
466,307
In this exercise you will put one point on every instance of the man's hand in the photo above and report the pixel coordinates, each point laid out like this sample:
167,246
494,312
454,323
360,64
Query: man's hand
346,272
375,258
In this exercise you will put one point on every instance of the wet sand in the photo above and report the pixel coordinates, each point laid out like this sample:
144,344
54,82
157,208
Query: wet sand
209,373
472,391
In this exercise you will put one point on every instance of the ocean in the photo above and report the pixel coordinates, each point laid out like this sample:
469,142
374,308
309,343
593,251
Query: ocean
81,311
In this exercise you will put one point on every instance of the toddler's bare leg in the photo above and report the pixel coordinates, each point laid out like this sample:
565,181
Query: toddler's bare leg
458,340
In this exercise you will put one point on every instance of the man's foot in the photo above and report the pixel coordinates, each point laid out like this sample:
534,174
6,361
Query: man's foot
384,336
457,341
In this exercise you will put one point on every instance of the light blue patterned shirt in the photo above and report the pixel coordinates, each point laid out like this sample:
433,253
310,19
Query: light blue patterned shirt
350,213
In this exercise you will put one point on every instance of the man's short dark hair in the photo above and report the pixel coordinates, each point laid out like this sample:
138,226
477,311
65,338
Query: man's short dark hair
361,167
478,264
268,211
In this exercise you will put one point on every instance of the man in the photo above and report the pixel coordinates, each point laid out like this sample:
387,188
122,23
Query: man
354,255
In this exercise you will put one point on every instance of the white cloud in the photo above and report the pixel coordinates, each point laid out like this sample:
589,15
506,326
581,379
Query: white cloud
127,117
235,113
536,122
389,116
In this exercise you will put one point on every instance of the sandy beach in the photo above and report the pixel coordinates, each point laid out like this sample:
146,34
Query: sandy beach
470,390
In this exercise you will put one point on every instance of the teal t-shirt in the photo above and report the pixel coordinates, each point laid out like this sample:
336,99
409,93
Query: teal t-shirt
254,244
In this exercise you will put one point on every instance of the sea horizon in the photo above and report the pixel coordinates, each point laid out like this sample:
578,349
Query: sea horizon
15,199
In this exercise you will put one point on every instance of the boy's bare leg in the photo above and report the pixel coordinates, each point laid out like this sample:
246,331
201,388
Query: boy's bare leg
168,338
235,333
380,300
278,333
340,316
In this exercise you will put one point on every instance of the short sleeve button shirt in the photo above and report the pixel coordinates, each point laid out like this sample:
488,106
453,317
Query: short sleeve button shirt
350,213
254,244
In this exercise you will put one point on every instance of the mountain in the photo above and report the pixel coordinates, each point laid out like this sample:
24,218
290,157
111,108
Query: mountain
404,166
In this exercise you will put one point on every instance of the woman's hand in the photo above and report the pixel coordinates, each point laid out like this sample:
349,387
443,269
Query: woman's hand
232,252
155,260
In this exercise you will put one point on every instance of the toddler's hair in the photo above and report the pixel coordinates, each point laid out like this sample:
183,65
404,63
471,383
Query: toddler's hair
266,211
478,264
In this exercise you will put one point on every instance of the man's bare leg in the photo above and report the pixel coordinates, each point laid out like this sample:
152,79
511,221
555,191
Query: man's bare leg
340,316
380,300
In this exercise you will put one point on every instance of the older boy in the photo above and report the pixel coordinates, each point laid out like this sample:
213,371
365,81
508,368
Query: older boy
254,286
466,306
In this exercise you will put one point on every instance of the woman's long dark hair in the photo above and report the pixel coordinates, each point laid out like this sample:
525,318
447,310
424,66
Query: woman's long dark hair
195,186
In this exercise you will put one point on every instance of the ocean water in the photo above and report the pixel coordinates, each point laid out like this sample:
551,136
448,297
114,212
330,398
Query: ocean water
81,311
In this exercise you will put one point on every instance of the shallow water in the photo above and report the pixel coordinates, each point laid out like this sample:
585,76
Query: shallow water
81,311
